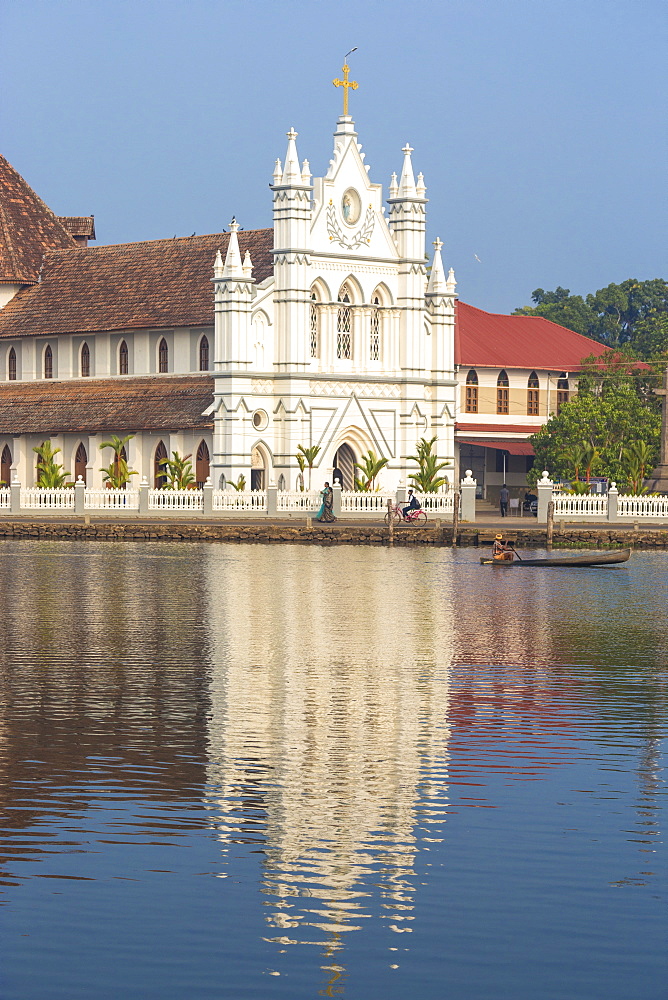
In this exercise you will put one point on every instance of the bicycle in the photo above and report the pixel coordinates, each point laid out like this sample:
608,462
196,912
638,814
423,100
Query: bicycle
416,516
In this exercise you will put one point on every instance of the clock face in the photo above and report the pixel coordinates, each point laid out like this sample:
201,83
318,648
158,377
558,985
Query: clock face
351,207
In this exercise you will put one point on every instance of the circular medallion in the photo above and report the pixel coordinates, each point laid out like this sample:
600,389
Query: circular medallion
351,207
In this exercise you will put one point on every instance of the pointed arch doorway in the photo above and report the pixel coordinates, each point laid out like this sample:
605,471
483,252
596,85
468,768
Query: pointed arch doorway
344,467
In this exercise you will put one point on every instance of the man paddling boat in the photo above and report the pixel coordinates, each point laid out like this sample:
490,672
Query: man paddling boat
502,551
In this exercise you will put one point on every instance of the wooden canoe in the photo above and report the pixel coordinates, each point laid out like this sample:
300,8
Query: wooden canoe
586,559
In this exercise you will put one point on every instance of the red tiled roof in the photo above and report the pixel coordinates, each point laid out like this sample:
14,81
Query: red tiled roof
91,405
491,340
161,284
28,229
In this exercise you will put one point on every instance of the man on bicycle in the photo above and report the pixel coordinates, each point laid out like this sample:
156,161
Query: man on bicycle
413,504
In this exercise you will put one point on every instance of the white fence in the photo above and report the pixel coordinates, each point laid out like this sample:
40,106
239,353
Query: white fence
581,506
5,497
638,507
178,500
41,498
254,500
439,503
293,500
364,503
111,499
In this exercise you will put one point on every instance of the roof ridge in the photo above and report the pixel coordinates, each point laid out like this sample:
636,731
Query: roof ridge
167,240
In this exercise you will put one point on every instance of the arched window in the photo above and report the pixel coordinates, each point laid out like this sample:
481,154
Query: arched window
123,359
159,474
163,356
374,331
6,467
48,362
563,390
281,482
11,365
80,463
502,393
202,466
344,344
204,354
315,327
85,360
533,395
471,405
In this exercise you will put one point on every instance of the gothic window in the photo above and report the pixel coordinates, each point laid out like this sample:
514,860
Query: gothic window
48,362
85,361
123,359
202,467
533,395
11,365
159,474
163,356
344,346
563,391
204,354
472,392
374,338
502,393
80,463
6,467
315,327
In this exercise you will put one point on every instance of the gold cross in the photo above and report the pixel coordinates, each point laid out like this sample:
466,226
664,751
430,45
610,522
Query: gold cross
347,85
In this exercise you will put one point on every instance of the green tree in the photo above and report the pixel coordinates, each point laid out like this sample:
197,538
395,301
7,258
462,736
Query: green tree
614,407
427,479
50,474
301,462
370,466
240,484
309,455
179,470
117,474
561,307
638,460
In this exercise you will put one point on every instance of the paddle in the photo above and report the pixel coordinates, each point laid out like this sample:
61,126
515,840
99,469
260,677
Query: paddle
516,552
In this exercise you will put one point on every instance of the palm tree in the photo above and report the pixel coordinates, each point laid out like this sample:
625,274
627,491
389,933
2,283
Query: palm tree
179,471
240,484
310,455
427,478
637,458
50,475
117,474
370,466
301,462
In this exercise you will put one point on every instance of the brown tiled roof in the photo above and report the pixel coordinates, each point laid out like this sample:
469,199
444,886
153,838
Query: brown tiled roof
79,225
28,229
91,405
161,284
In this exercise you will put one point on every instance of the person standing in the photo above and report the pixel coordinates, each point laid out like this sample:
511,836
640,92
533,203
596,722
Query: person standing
326,513
504,497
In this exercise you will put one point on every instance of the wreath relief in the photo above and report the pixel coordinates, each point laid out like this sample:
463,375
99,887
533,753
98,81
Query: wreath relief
361,238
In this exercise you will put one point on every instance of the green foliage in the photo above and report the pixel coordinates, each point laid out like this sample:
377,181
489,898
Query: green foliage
240,484
117,474
309,456
614,408
427,478
638,461
632,314
370,466
179,470
301,462
50,475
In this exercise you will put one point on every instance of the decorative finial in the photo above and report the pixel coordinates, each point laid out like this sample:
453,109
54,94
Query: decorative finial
407,149
346,83
437,244
292,134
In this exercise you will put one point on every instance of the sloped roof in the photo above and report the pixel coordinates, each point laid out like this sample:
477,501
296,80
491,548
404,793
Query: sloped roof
28,229
491,340
91,405
129,286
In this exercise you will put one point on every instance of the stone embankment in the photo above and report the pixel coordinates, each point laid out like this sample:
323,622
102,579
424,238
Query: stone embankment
434,533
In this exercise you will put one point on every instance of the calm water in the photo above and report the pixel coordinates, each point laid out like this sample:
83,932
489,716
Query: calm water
291,772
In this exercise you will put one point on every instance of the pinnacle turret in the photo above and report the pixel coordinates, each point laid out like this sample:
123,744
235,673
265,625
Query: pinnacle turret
233,267
291,172
407,187
437,283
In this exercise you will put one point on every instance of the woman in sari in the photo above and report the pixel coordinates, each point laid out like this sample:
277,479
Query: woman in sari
325,512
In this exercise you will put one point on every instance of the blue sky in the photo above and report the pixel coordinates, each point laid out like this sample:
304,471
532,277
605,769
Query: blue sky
540,125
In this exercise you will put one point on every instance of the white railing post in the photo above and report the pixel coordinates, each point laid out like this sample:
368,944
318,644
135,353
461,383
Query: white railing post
544,490
336,500
467,488
80,496
15,499
401,497
272,500
143,496
613,502
207,497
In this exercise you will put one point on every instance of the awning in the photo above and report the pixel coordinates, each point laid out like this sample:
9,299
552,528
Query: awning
512,447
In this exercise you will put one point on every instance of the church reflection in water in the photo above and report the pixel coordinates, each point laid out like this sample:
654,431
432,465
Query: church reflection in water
328,738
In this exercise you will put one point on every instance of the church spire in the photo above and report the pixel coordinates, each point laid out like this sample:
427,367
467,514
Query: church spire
291,172
233,266
407,187
437,283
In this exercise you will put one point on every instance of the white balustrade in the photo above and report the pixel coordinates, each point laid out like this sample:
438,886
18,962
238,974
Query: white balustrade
111,499
438,503
581,505
363,503
181,500
307,501
5,496
249,500
642,507
47,498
